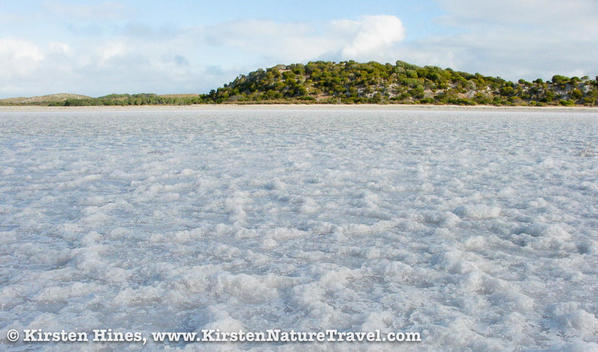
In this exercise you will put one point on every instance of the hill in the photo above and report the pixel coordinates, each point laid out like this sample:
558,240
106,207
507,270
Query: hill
372,82
42,100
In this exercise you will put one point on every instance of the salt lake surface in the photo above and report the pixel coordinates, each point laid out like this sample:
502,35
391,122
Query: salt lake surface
477,229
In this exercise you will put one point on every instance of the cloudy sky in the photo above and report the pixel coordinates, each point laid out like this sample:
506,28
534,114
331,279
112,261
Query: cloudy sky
185,46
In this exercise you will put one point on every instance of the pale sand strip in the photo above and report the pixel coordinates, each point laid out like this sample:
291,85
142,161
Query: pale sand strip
249,107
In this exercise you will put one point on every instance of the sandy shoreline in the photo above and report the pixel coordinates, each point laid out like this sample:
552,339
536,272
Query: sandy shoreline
215,107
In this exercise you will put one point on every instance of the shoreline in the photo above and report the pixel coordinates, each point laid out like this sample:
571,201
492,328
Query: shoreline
240,107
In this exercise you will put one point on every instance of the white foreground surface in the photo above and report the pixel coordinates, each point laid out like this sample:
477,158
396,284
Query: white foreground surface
477,229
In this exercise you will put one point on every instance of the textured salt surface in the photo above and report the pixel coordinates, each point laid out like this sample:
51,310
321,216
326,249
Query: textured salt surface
477,229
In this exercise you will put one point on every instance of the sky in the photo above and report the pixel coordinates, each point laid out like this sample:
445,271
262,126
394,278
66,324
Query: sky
183,46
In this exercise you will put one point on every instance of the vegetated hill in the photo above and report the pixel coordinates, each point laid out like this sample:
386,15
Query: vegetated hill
42,100
372,82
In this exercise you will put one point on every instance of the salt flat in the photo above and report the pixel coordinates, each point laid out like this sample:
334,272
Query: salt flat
478,229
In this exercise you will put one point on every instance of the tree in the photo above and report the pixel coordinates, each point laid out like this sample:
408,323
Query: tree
558,79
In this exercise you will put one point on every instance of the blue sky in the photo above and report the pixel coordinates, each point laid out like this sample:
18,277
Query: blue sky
119,46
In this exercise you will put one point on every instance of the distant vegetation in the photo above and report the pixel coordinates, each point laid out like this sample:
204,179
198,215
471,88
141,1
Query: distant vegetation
112,99
354,83
135,99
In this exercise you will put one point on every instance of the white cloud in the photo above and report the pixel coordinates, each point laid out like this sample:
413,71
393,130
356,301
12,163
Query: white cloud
372,34
111,50
18,57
